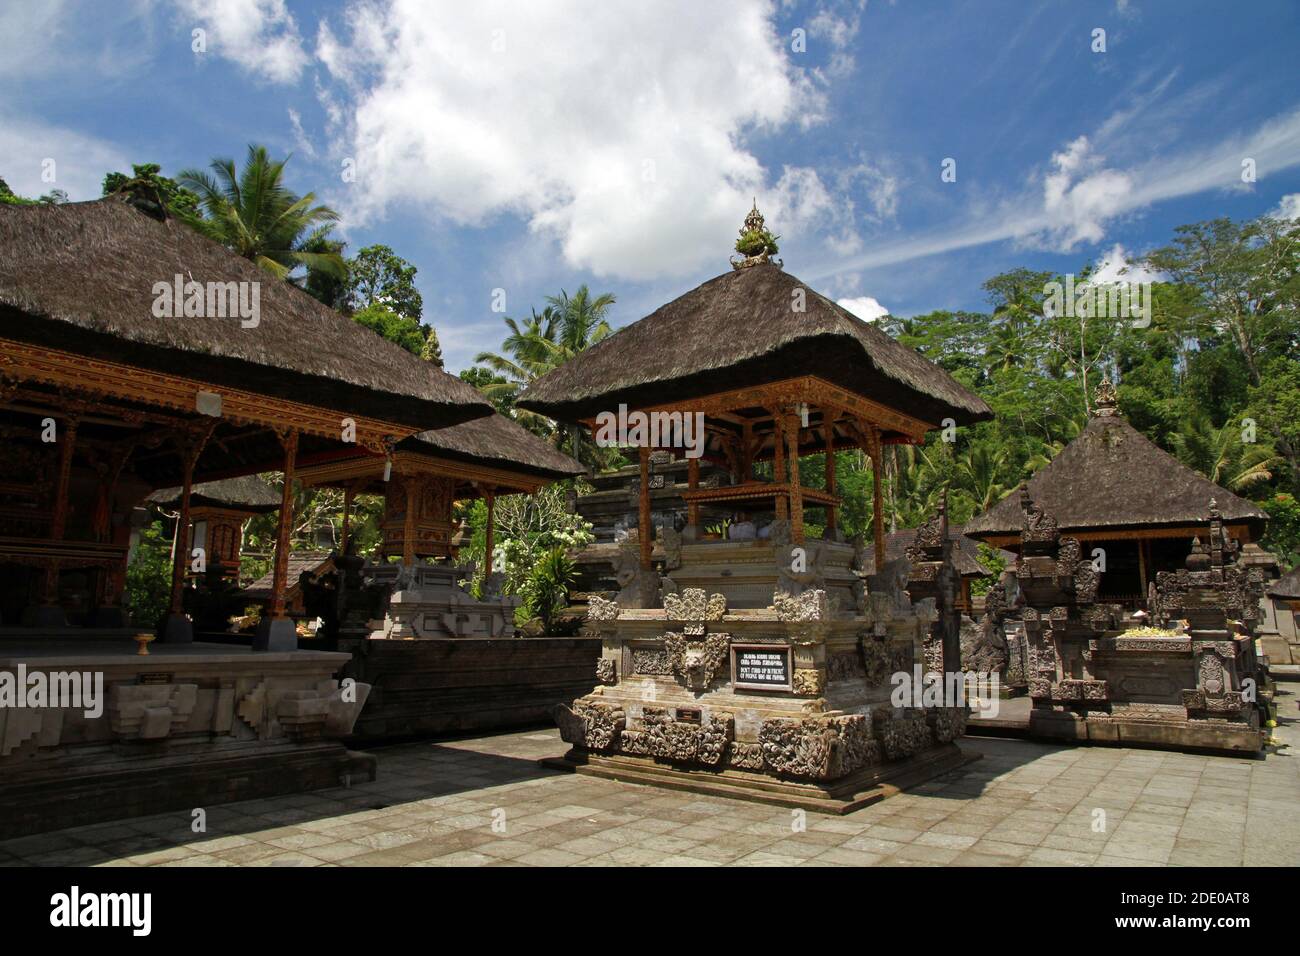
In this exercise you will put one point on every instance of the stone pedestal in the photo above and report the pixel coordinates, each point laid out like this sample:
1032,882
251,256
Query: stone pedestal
787,703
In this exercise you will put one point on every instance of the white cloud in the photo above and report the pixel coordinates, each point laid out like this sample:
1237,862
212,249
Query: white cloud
1288,208
29,33
1116,266
864,307
1080,195
617,130
76,161
258,35
1093,194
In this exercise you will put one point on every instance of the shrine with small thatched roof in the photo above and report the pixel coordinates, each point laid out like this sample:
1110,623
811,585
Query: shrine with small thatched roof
1112,488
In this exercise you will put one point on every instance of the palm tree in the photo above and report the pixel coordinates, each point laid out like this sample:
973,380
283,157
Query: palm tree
980,474
567,326
1221,454
254,214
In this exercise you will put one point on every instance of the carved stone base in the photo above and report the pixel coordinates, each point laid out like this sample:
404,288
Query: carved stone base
1222,736
859,789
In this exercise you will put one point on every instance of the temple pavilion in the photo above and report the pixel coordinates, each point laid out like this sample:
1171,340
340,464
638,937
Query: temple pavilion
136,355
219,512
759,665
1113,489
779,372
111,389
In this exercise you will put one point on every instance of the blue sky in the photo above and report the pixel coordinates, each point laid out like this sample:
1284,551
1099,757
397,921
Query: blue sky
533,147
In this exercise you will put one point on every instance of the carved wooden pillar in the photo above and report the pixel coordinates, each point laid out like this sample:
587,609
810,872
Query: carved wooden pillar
189,445
778,461
347,519
747,453
828,429
279,580
59,518
408,528
643,509
877,492
490,499
796,490
693,482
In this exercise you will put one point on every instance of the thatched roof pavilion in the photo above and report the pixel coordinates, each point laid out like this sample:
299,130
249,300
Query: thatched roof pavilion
1112,484
80,278
136,355
248,493
776,369
1287,587
741,330
426,473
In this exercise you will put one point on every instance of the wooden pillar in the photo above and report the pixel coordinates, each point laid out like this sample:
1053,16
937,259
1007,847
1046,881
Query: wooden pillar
190,447
747,452
693,482
828,430
796,491
408,524
877,493
347,519
643,509
1142,569
279,580
59,518
778,461
489,544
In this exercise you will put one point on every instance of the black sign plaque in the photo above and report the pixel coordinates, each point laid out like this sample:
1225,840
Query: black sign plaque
761,667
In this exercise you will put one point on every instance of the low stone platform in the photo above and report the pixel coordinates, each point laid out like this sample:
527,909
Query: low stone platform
844,795
458,685
187,726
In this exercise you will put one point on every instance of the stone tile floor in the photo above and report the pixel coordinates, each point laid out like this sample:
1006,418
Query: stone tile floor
486,802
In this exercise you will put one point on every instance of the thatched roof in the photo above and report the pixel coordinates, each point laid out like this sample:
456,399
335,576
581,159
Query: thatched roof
80,277
740,329
498,442
1287,587
299,561
249,493
965,552
1111,476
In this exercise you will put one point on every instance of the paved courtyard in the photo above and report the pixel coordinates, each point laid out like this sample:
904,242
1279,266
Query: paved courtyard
486,802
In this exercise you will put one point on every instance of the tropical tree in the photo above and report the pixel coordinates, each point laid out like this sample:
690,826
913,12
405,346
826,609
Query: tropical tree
1221,455
254,214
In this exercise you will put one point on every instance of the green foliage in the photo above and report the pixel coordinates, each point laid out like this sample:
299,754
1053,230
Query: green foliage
403,331
149,575
993,563
378,276
255,215
546,590
1283,535
754,242
543,342
149,188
